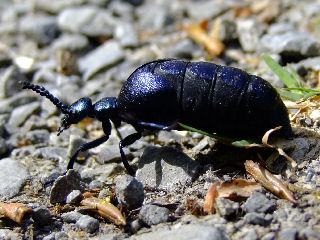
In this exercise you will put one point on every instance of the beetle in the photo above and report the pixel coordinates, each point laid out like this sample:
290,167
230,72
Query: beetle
162,93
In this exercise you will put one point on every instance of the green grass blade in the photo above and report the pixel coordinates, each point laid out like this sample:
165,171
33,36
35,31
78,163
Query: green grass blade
282,73
290,95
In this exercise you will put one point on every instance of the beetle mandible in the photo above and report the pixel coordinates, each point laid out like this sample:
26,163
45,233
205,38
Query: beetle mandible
160,94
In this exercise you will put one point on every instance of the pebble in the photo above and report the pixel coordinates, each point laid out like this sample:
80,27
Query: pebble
129,191
111,153
13,177
71,42
269,236
64,185
251,235
153,215
9,82
186,232
88,20
38,137
42,216
9,234
288,234
259,203
74,197
227,208
166,168
106,55
74,143
293,43
308,64
20,114
88,224
71,217
255,218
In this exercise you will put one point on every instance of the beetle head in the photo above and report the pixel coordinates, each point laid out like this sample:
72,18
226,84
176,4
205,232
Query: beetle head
76,112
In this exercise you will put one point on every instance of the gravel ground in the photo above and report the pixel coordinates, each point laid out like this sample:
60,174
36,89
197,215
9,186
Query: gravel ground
81,48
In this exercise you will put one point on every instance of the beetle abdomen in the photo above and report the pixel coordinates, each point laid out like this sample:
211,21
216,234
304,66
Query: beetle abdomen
213,98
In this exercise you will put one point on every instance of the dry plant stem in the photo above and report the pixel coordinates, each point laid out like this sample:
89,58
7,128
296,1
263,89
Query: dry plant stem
17,212
105,209
269,181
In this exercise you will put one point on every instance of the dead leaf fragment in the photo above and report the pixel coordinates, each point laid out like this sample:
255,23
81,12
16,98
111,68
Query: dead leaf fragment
17,212
269,181
238,189
212,194
200,36
105,209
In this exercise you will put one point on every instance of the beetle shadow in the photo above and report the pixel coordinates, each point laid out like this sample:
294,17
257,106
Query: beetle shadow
163,166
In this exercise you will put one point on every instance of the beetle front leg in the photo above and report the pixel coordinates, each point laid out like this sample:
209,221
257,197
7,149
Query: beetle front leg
95,143
128,140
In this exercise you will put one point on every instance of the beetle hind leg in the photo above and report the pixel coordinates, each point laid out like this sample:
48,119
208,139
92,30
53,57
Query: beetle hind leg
128,140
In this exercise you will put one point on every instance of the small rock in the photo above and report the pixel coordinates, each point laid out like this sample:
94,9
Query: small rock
74,197
111,153
52,153
166,168
288,234
20,114
281,27
71,217
42,29
315,115
9,234
135,225
41,216
251,235
126,34
95,184
72,42
186,49
74,143
38,137
87,20
249,32
255,218
9,82
308,64
106,55
65,185
88,224
269,236
153,215
227,208
129,191
299,44
186,232
13,177
259,203
206,9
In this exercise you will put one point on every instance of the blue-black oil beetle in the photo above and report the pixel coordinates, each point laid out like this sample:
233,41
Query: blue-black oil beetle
160,94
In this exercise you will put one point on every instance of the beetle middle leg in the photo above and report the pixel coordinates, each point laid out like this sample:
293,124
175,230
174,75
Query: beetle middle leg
128,140
95,143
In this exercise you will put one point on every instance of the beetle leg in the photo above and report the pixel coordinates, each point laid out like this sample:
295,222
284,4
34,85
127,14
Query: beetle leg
156,126
106,129
126,142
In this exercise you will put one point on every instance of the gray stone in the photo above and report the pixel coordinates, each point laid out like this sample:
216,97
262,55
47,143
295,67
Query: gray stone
184,49
9,82
74,143
153,215
52,153
41,216
207,9
56,6
38,137
7,234
227,208
22,98
129,191
259,203
88,224
126,34
71,217
111,153
249,32
166,168
65,185
308,64
281,27
256,219
20,114
74,197
87,20
13,177
106,55
186,232
269,236
288,234
4,147
293,43
42,29
71,42
251,235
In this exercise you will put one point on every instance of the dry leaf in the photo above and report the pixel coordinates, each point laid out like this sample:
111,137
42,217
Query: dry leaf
212,194
105,209
17,212
269,181
238,189
194,207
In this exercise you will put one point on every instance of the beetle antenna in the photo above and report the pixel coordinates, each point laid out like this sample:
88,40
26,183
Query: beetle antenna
44,92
